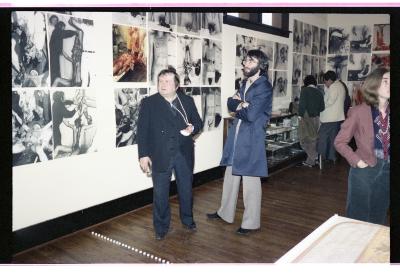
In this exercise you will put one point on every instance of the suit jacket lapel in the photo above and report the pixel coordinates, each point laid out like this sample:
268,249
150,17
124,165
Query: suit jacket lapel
165,110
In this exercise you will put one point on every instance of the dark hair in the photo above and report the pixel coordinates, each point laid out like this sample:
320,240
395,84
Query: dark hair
53,16
310,80
371,85
58,96
261,57
170,70
330,75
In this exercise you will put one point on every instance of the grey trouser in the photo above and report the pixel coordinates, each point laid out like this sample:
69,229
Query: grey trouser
251,198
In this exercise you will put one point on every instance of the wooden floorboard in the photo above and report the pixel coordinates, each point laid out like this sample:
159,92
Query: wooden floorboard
294,203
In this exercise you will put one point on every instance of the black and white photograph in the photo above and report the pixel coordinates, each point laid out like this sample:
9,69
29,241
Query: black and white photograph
29,54
315,41
314,66
338,40
72,45
32,124
195,92
359,66
280,84
297,36
360,39
338,64
189,23
355,92
211,108
281,56
297,68
212,63
211,25
307,38
306,66
129,54
239,77
321,70
164,21
322,42
74,122
381,41
127,103
380,60
162,53
268,48
137,19
243,45
189,60
296,93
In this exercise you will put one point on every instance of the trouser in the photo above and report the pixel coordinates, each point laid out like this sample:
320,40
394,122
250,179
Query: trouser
251,198
161,185
326,137
308,135
368,193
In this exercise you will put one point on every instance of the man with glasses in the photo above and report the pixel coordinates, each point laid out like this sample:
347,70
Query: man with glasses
244,151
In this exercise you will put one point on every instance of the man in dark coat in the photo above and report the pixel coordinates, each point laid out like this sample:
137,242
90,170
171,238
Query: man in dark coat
167,122
244,152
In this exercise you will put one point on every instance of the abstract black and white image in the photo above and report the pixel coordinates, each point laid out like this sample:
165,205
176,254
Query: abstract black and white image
162,52
72,45
297,36
381,41
130,18
32,130
212,63
281,56
189,23
211,25
29,54
297,68
338,40
243,45
74,122
322,70
360,39
338,64
380,60
127,103
239,77
296,93
306,66
359,66
129,54
268,48
322,45
307,38
280,84
211,108
164,21
315,41
314,66
196,94
189,60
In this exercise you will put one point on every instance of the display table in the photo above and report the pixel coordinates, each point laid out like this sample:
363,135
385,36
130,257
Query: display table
342,240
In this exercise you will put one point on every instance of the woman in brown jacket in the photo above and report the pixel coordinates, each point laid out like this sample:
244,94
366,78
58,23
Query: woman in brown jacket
369,124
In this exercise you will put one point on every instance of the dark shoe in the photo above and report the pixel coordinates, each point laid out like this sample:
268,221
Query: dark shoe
307,164
213,216
243,231
160,236
190,227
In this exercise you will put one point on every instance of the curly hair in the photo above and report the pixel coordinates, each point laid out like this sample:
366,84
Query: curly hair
371,85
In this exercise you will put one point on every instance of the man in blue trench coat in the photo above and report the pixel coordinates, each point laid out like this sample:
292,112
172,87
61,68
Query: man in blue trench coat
244,152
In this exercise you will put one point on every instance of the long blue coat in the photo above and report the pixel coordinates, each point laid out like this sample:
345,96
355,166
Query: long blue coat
248,157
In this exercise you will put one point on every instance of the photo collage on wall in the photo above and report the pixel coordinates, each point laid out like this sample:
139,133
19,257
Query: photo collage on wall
146,43
309,55
53,102
355,51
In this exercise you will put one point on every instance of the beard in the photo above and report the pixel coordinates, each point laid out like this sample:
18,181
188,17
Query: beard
251,72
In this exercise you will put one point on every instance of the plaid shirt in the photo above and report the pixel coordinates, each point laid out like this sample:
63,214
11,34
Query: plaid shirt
382,133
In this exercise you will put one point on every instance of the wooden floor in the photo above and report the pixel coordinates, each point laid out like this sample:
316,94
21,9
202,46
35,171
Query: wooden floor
295,201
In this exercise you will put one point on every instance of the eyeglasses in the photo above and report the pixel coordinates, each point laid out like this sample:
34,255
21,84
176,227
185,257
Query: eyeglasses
249,60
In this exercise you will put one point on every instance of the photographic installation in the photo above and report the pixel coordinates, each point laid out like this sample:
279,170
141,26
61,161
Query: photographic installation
314,66
162,52
322,44
196,94
315,40
307,38
189,60
130,18
127,104
281,56
189,23
29,53
338,64
32,131
306,66
280,84
268,48
338,40
211,108
360,39
296,93
164,21
355,93
381,40
243,45
322,70
212,63
297,67
359,66
129,54
297,36
211,25
380,60
72,45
